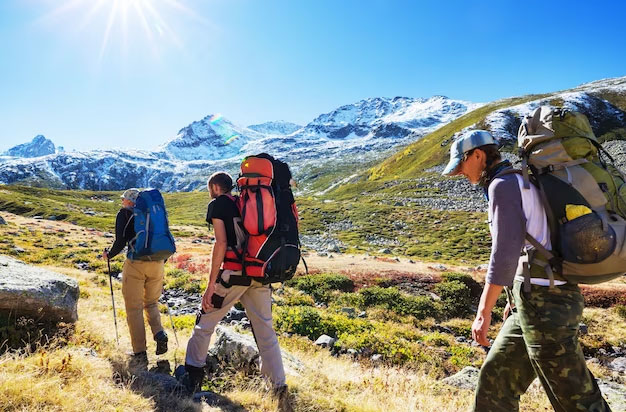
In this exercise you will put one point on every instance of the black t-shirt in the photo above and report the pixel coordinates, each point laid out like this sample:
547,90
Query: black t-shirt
225,209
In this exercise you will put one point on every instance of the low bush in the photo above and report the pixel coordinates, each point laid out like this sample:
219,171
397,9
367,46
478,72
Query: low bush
420,307
321,286
456,298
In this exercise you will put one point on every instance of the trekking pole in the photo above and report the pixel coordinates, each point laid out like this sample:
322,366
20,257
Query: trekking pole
173,328
117,336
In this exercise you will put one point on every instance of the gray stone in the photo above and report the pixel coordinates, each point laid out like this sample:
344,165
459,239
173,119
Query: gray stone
31,291
52,218
166,383
325,341
618,365
350,312
363,314
467,378
352,352
18,250
583,329
322,254
239,350
235,314
482,268
2,221
614,393
333,248
439,267
385,251
377,358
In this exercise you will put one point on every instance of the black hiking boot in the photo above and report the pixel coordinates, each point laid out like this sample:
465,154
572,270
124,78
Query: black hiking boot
138,360
161,342
194,378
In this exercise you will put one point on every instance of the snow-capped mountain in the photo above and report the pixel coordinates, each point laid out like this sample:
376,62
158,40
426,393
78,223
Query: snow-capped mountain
39,146
279,127
366,130
212,138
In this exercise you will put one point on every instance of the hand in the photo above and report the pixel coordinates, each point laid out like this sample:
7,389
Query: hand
507,311
480,327
206,298
105,255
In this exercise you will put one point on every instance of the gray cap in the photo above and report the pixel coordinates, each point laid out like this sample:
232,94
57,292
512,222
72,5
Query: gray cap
130,194
468,141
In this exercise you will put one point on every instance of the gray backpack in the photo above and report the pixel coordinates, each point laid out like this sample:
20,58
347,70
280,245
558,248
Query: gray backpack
583,193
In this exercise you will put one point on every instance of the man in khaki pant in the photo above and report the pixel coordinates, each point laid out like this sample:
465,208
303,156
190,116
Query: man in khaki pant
142,284
227,286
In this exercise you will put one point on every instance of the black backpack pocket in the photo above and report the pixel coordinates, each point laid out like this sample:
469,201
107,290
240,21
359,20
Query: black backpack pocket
587,239
282,265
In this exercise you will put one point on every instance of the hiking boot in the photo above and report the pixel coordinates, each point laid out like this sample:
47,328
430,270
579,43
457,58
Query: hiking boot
195,376
161,342
138,360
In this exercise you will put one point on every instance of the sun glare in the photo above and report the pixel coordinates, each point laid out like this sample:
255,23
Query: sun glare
124,20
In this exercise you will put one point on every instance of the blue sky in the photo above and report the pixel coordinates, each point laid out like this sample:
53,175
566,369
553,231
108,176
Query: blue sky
254,61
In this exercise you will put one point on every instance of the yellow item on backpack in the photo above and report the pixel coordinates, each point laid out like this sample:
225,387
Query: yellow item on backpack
574,211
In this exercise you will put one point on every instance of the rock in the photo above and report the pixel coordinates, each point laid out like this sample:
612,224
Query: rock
83,244
18,250
411,261
352,352
583,329
350,312
439,267
376,358
363,314
34,292
52,218
2,221
385,251
209,397
322,254
239,350
235,314
234,348
614,393
165,383
82,265
38,217
89,212
482,268
618,365
325,341
461,339
108,235
331,257
467,378
333,248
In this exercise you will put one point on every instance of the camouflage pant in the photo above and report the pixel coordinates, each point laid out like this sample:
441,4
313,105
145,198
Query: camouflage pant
539,339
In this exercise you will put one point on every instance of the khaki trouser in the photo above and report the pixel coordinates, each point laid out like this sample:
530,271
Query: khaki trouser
142,284
257,300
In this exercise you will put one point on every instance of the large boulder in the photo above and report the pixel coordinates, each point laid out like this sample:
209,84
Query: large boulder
467,378
37,293
239,350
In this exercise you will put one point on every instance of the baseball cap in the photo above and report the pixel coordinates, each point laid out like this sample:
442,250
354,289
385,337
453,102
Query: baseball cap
468,141
130,194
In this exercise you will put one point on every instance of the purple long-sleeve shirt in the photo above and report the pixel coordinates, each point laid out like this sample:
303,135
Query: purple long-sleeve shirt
507,223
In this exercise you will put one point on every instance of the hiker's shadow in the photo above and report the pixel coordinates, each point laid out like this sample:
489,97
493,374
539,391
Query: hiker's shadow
158,385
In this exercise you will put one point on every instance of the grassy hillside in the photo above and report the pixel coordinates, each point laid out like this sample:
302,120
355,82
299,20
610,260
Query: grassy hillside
415,334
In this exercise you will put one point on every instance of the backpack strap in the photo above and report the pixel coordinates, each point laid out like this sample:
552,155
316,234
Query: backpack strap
561,166
524,171
552,260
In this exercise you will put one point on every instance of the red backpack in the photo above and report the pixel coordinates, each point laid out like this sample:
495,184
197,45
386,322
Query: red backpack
269,218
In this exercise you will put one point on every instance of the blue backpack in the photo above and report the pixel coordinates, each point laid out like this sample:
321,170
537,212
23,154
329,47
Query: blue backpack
153,240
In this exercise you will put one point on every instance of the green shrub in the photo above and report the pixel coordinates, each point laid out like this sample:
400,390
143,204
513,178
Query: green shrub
621,310
296,299
475,288
320,286
420,307
456,298
301,320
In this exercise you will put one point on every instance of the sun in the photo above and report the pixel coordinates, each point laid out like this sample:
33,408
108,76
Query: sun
124,20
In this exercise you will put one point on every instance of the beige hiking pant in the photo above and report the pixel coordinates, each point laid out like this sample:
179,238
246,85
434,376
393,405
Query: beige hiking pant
142,284
257,300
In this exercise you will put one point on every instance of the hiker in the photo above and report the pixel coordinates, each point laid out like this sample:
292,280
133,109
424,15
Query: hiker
539,335
142,284
226,286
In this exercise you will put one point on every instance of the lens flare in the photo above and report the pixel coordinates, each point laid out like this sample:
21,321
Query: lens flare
215,118
232,139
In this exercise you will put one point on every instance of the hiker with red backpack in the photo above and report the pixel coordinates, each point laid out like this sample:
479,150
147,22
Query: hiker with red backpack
250,252
529,213
142,226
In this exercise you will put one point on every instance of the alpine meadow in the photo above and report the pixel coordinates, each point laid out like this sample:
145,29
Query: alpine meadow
369,254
